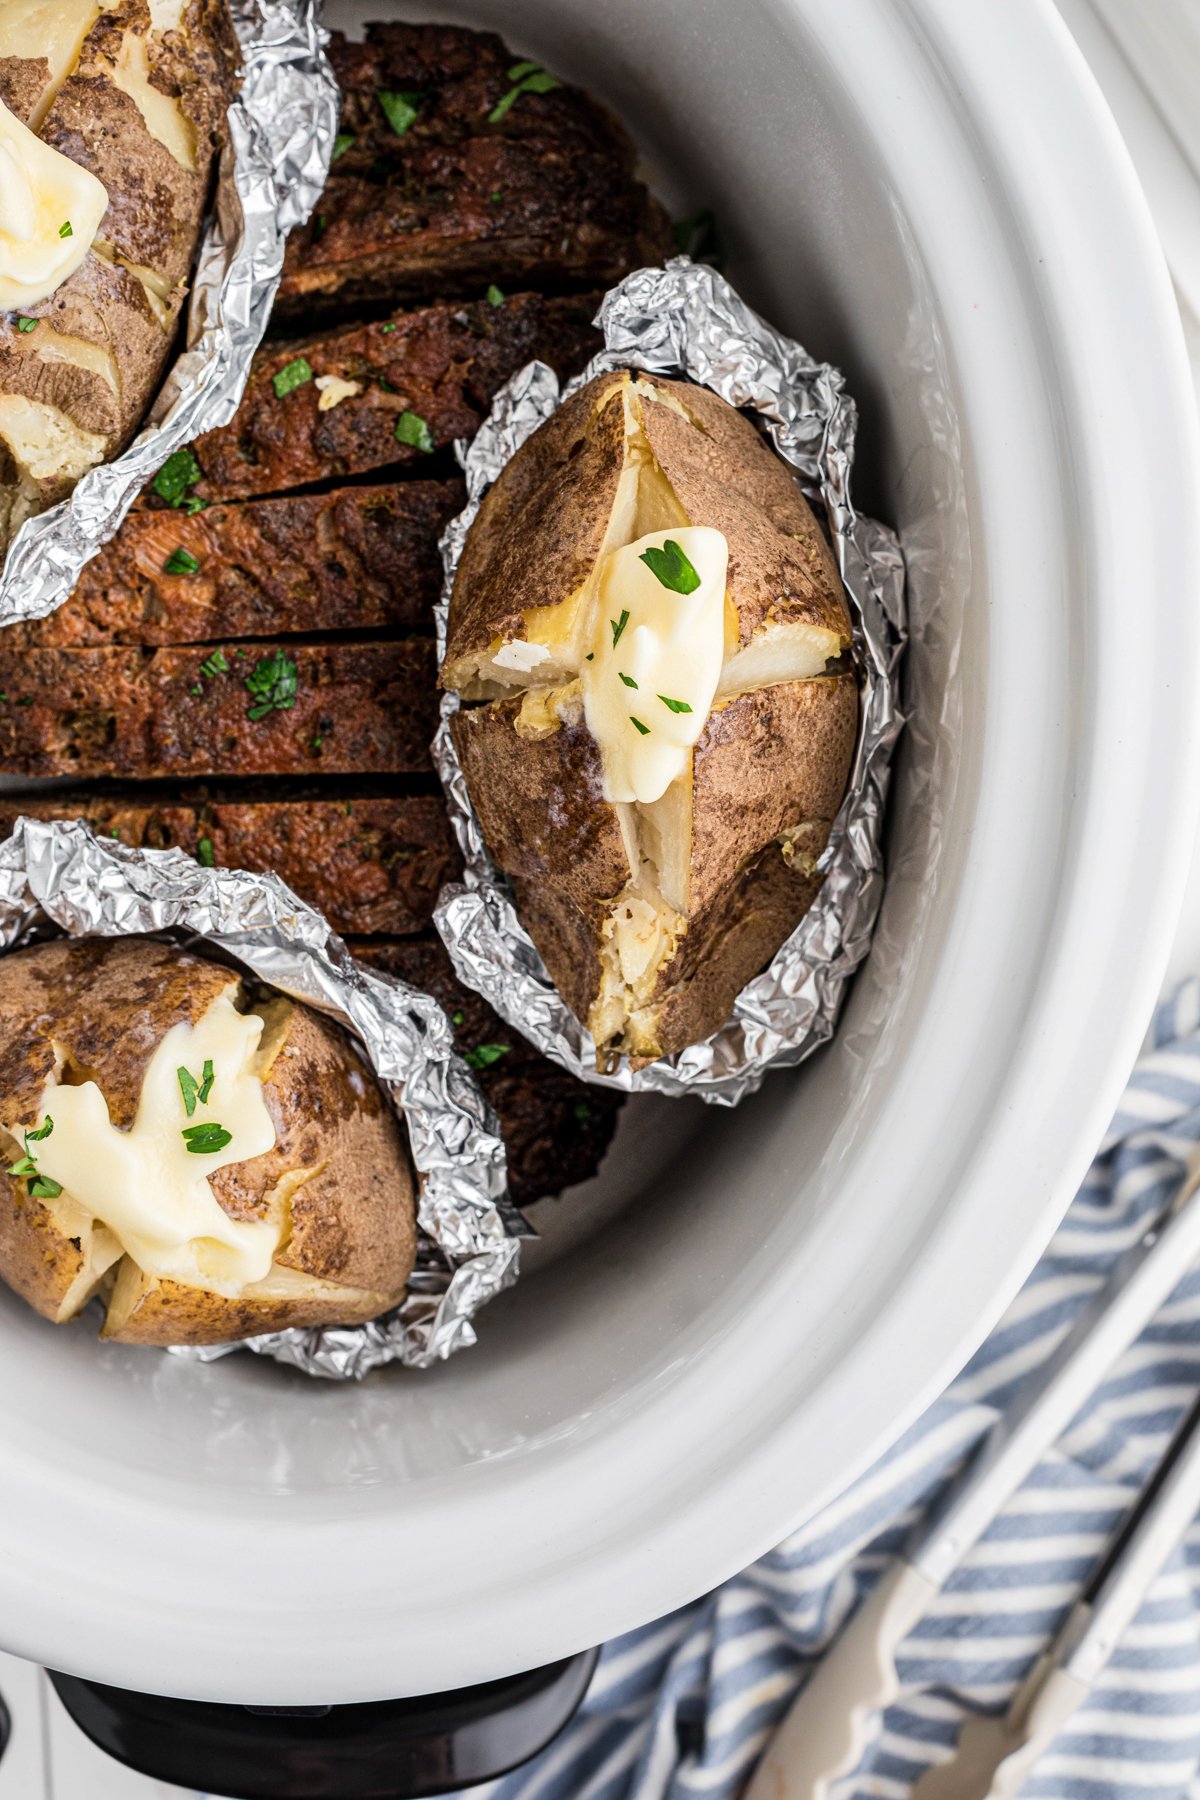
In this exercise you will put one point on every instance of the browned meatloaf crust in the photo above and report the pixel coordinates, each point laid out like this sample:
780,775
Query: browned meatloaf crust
556,1129
440,366
457,200
371,864
359,708
356,559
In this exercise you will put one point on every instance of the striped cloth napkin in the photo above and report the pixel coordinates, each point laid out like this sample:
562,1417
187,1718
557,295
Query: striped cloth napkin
682,1708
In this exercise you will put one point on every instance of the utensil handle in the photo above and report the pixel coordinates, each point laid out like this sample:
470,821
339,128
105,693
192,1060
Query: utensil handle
996,1755
828,1728
1046,1404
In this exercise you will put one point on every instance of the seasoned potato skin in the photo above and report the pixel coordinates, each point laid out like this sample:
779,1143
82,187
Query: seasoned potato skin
768,761
106,1004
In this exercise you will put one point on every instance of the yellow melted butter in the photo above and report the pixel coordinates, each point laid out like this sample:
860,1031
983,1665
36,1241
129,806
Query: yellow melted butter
40,191
144,1184
672,645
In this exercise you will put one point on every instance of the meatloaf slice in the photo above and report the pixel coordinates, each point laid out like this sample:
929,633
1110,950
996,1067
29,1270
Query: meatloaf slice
429,375
556,1128
370,864
340,708
452,79
356,559
456,218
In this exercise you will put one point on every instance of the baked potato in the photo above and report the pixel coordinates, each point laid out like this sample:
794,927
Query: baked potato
651,641
214,1163
110,122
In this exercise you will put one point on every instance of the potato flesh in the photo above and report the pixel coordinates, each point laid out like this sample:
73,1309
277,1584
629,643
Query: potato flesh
164,117
53,29
48,452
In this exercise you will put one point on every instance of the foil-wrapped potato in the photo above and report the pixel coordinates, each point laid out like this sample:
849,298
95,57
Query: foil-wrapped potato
111,118
651,641
212,1162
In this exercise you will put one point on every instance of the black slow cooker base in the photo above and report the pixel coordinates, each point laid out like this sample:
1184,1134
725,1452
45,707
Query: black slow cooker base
385,1750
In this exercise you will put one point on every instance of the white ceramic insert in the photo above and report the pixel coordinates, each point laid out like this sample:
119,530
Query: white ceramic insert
751,1305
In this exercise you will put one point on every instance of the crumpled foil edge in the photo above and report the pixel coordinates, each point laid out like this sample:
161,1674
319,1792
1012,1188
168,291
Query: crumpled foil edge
57,873
687,318
272,170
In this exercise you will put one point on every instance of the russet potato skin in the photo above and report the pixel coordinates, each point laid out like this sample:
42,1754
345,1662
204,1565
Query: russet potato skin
766,762
771,762
106,1004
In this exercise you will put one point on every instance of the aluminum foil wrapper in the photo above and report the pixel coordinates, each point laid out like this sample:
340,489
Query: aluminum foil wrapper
57,874
281,131
687,319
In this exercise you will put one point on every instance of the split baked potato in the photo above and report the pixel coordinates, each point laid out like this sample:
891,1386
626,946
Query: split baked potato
111,118
213,1162
651,641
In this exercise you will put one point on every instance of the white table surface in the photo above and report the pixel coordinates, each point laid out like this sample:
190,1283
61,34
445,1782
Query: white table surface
48,1757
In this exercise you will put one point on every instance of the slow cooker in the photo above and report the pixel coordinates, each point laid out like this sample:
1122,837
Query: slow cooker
745,1307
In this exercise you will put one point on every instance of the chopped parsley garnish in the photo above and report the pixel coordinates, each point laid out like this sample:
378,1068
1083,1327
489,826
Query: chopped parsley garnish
114,833
195,688
206,1140
180,562
195,1092
400,109
341,143
672,568
291,376
25,324
590,657
627,679
180,472
527,78
675,706
316,740
390,326
644,729
319,224
214,665
582,1111
484,1055
497,193
495,295
411,429
66,229
204,853
618,625
271,685
457,1018
40,1186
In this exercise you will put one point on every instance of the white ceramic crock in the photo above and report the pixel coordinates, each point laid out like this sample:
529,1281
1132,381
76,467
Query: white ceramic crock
749,1306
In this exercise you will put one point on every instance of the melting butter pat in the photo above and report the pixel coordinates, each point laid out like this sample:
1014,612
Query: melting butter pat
655,660
42,193
144,1184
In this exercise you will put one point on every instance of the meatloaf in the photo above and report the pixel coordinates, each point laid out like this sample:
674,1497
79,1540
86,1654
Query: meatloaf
403,387
343,707
354,559
371,863
451,175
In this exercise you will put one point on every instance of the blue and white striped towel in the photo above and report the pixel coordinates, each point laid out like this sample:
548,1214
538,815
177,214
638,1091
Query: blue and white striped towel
682,1708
